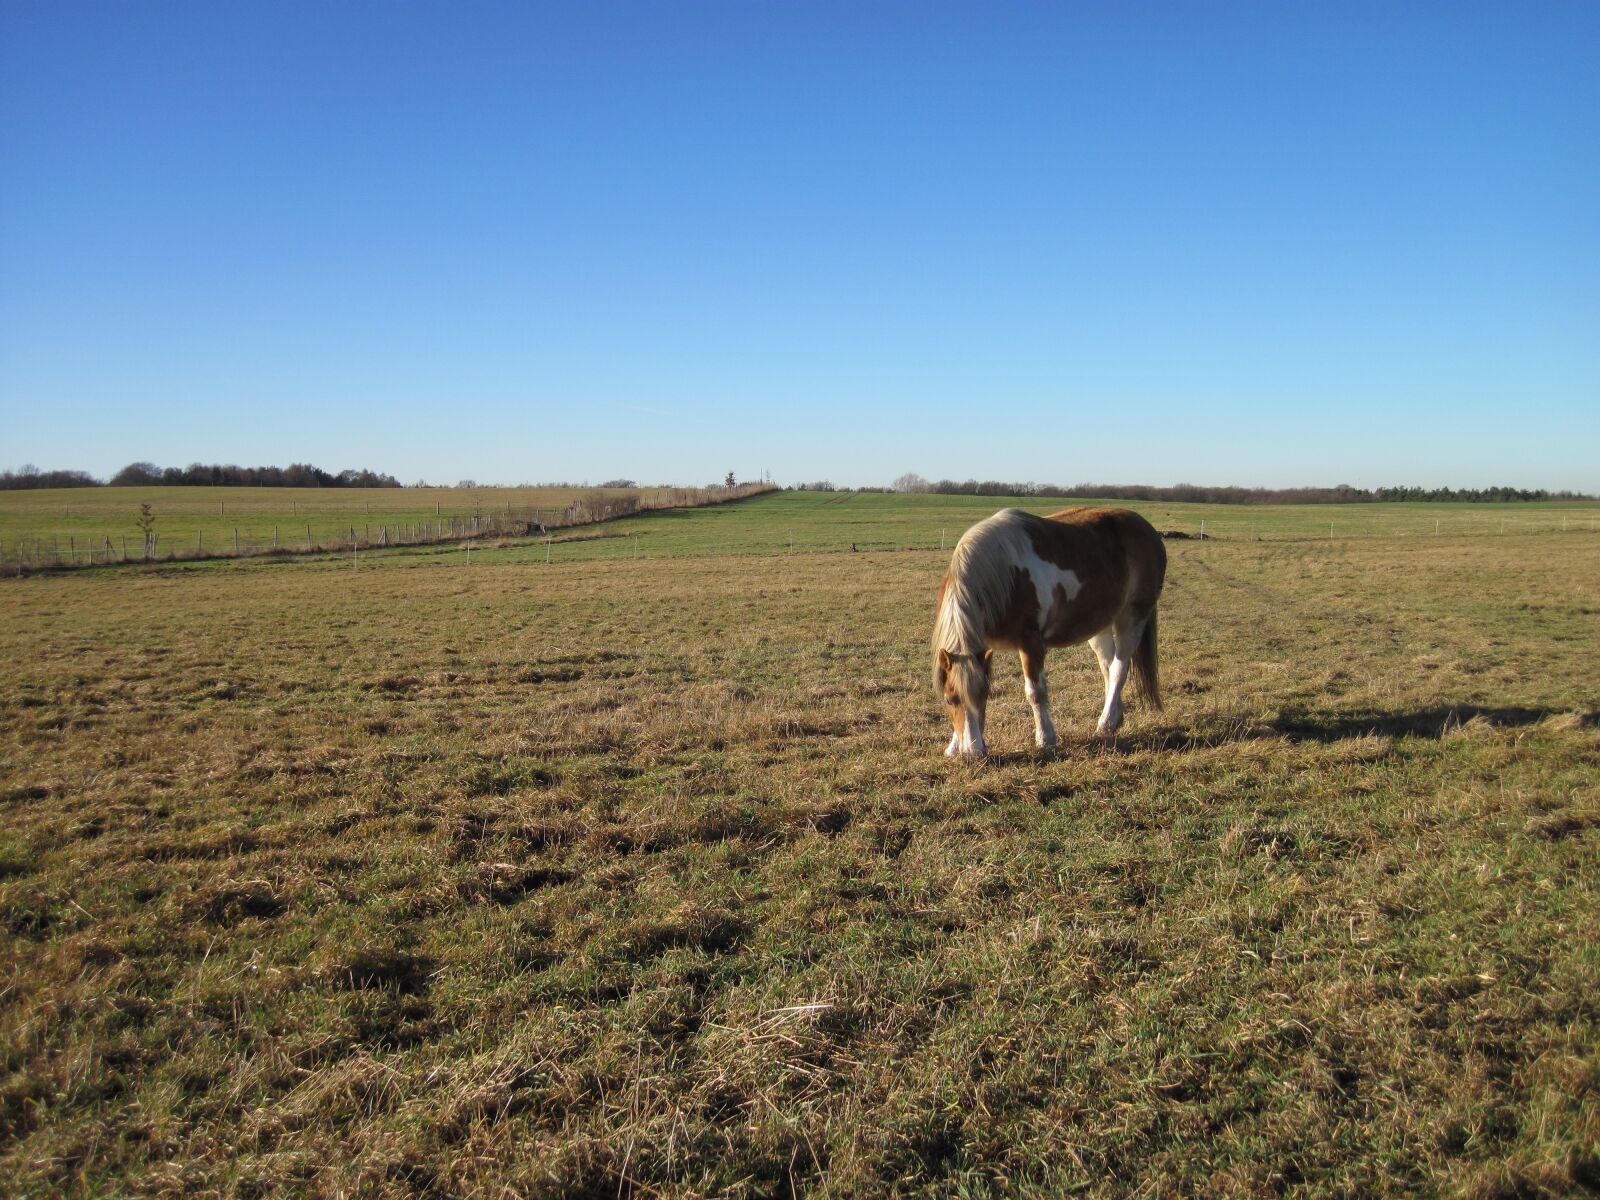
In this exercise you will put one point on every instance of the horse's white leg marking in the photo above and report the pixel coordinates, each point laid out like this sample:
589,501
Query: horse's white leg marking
1111,715
1044,731
954,746
1127,642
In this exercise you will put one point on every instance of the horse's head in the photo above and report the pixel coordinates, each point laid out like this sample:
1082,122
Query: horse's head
963,683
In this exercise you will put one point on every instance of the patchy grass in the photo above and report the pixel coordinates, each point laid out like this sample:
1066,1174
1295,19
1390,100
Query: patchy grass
648,878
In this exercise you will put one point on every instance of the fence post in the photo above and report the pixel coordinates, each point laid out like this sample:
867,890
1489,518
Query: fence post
236,541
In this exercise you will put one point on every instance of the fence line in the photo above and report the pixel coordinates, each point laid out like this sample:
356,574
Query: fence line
28,552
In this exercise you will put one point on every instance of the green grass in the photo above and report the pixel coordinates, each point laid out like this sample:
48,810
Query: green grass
871,521
189,518
647,877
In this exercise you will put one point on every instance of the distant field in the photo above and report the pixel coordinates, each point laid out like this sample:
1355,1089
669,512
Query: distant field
868,520
480,878
189,518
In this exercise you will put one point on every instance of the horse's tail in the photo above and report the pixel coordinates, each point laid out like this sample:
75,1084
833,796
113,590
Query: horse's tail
1147,665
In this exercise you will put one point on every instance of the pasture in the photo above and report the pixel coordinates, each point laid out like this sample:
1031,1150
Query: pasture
189,520
640,872
66,524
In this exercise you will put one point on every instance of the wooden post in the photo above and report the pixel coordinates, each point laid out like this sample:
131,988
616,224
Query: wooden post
200,541
236,541
308,537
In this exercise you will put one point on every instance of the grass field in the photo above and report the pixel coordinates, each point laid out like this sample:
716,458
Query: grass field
192,518
189,519
645,876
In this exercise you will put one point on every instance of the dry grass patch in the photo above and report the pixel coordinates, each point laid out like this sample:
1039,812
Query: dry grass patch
647,878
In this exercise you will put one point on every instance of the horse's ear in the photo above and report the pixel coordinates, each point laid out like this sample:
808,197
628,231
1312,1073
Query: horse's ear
987,655
944,659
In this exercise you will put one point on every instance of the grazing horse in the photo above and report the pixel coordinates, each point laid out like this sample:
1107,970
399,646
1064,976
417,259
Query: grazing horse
1082,574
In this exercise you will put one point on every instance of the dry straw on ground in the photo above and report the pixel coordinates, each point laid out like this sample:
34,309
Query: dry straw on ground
647,878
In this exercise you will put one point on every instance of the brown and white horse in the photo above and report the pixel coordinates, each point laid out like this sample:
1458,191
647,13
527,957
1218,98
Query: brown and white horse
1028,582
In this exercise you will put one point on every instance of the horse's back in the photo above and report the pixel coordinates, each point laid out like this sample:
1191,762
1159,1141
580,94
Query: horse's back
1127,541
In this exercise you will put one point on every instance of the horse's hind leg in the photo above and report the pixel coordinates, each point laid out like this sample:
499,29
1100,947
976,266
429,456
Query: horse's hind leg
1044,731
1104,645
1123,639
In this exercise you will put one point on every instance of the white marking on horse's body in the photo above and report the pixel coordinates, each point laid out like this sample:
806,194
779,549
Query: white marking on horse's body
1030,582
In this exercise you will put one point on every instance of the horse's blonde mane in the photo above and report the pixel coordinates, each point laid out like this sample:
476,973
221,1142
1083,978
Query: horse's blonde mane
980,582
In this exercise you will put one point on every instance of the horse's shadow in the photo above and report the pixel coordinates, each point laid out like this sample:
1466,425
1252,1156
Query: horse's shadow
1304,725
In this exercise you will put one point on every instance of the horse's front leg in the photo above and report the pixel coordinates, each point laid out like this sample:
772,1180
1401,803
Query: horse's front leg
1044,731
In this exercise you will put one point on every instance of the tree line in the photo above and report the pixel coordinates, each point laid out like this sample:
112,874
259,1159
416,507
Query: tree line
1196,494
144,474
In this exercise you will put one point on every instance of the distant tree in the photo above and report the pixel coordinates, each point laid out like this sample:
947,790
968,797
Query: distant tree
619,483
910,482
139,474
31,477
730,481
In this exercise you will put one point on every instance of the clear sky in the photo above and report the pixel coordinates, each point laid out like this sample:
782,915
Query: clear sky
1271,244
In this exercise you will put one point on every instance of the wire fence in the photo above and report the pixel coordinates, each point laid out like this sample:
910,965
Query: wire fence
24,553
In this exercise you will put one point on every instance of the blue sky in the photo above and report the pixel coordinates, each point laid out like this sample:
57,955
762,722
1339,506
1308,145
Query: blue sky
1263,244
